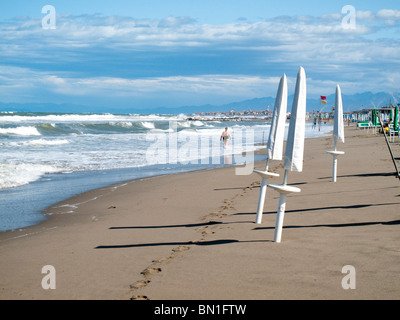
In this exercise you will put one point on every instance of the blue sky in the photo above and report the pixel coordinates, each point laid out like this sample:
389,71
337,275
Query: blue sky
155,53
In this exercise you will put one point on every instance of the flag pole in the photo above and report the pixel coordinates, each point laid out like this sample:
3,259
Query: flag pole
319,115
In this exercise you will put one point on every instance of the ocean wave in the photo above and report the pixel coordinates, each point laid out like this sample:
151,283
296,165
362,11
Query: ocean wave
147,124
197,123
38,142
14,175
170,130
20,131
83,118
59,118
183,124
121,124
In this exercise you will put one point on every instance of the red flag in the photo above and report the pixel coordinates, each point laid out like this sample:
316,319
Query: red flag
323,97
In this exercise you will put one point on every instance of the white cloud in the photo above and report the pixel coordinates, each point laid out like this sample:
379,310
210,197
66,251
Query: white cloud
91,30
390,16
239,86
368,16
329,51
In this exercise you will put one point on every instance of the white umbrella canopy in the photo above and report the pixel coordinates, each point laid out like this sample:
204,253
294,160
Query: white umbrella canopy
277,131
293,159
275,142
338,125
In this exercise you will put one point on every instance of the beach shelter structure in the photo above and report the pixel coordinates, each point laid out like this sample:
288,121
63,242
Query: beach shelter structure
294,152
338,130
275,142
374,118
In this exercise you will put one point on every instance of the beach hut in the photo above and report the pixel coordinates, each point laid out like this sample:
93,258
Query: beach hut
294,152
275,142
338,131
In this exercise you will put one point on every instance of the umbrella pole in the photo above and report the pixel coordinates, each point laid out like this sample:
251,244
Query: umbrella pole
334,170
261,198
280,217
281,213
285,178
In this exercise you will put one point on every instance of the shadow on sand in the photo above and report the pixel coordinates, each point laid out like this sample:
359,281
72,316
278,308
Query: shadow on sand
339,225
355,206
181,243
377,174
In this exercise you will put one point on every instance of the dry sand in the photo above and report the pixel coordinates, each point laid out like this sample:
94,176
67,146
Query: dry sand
192,235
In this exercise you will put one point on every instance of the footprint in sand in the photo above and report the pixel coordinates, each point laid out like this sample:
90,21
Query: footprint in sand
180,249
139,284
139,298
149,271
161,260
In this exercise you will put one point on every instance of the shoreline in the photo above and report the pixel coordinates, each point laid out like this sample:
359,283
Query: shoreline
55,213
17,203
97,179
175,236
82,181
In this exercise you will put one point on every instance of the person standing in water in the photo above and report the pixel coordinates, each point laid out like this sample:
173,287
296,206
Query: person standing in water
225,136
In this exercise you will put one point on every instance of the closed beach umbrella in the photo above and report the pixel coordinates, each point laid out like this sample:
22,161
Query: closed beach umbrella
275,142
338,125
294,152
277,131
338,130
293,160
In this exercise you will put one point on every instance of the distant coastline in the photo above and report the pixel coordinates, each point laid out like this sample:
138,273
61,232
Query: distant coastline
351,102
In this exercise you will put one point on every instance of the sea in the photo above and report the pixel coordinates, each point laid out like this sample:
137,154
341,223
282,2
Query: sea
49,157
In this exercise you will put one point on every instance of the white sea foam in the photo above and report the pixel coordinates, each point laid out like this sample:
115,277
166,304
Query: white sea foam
14,175
197,123
81,118
40,142
20,131
60,118
147,125
123,124
183,124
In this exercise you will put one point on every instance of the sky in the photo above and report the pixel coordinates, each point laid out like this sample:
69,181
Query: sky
145,54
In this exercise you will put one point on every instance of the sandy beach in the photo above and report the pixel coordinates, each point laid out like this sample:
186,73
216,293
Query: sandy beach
193,236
